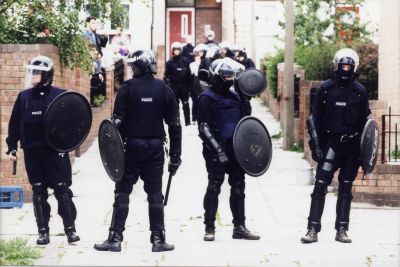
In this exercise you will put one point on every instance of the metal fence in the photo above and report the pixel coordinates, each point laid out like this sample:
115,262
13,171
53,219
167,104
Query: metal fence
390,136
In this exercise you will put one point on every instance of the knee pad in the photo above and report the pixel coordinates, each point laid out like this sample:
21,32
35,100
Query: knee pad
155,198
214,187
320,189
61,190
345,189
237,189
39,190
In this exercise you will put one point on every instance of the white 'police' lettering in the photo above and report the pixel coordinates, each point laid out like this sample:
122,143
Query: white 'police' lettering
37,112
341,104
147,99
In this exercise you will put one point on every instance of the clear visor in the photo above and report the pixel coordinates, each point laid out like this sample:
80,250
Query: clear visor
34,75
230,69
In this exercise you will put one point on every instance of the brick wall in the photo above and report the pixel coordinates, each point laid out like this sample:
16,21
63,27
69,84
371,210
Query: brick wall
208,12
13,59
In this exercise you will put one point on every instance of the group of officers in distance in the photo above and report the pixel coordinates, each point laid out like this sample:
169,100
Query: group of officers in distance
144,103
181,70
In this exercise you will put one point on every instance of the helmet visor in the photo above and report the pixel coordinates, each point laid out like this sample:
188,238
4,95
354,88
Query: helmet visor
34,75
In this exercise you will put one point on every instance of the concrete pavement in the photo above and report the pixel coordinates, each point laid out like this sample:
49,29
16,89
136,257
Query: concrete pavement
277,207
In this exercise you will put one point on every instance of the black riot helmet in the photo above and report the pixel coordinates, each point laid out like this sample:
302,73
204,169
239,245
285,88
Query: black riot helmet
142,62
223,72
346,62
40,65
226,50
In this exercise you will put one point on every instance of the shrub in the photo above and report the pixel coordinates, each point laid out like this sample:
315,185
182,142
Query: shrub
271,64
368,69
17,252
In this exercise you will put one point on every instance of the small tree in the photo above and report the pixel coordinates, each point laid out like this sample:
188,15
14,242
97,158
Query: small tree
22,21
317,21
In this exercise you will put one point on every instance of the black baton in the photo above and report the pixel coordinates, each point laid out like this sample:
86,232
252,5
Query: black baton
14,170
168,187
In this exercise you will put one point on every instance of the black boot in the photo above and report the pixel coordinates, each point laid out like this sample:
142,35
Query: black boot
113,243
159,244
310,237
209,234
41,210
317,205
341,236
44,237
241,232
71,234
120,213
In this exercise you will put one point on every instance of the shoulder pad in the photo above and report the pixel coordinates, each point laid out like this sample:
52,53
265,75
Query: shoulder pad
328,84
359,87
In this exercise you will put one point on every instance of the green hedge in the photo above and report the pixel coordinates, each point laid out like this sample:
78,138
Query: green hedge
270,63
317,63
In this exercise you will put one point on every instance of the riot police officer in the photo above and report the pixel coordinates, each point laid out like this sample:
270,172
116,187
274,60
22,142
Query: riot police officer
44,165
219,110
141,106
226,51
177,76
339,113
243,59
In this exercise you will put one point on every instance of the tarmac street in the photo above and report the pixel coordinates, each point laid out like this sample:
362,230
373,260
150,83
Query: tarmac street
277,206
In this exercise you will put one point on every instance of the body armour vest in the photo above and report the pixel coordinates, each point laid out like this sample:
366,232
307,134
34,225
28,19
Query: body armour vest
146,108
33,104
341,107
227,113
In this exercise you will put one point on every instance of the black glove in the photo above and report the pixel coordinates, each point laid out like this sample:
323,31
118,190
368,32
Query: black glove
174,163
223,158
316,152
240,93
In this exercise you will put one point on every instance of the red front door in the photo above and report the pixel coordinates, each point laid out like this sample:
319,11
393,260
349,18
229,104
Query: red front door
179,25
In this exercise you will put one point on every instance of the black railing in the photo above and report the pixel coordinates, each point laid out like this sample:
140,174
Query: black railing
390,154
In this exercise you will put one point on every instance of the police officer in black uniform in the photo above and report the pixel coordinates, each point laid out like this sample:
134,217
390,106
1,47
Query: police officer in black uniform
244,60
227,51
187,49
339,113
219,110
177,76
141,106
45,166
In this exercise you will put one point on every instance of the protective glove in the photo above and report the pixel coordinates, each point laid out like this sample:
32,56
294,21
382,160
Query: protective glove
316,152
174,163
223,158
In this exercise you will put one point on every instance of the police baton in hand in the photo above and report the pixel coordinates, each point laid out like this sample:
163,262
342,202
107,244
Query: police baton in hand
173,166
168,187
14,170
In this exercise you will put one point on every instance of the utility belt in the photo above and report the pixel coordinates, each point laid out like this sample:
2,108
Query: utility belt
345,138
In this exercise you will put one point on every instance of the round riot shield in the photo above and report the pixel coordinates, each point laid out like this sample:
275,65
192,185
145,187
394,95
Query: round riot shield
112,150
252,82
67,121
369,146
252,146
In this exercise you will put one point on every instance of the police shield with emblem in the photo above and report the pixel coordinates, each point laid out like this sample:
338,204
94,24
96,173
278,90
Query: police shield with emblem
251,82
112,150
252,146
67,121
369,146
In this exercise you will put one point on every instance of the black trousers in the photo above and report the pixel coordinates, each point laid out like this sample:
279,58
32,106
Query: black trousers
48,168
181,92
216,174
144,159
337,155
